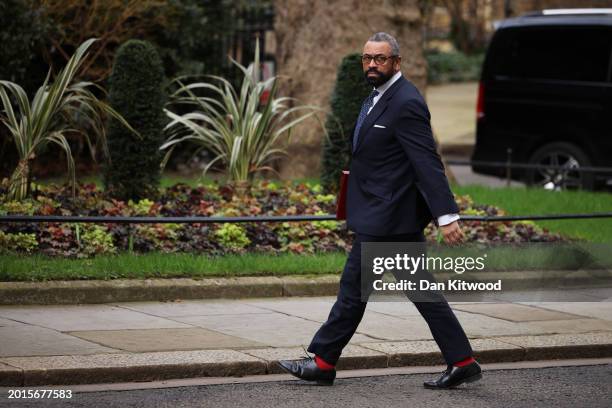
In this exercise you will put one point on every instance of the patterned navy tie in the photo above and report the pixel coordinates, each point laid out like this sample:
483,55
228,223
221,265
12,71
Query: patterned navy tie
367,104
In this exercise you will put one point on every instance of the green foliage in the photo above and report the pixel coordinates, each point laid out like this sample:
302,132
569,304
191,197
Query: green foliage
17,242
142,207
241,132
193,43
96,240
295,237
325,225
346,100
232,236
325,198
136,91
160,237
26,207
69,240
453,66
22,33
57,109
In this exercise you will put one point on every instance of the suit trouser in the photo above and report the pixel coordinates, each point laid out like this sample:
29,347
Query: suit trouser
348,310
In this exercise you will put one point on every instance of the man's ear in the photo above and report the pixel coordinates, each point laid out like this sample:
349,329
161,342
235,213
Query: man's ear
397,62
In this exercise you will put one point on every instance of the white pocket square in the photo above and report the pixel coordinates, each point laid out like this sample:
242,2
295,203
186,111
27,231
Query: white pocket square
380,126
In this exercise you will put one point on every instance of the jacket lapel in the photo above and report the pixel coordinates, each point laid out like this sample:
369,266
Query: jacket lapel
376,111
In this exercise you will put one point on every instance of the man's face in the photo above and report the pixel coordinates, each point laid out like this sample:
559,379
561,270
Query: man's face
378,74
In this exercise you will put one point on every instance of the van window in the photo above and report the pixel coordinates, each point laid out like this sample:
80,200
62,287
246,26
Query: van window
565,53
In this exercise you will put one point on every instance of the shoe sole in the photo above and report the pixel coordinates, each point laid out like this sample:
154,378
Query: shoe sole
473,378
470,379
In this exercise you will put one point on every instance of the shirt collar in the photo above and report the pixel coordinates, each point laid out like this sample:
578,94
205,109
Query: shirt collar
381,89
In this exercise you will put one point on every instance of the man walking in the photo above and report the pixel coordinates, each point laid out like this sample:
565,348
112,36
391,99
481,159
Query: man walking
396,187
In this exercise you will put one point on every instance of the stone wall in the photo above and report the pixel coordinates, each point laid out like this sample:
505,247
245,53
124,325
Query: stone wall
312,37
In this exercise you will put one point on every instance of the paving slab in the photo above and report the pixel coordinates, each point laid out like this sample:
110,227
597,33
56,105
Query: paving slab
514,313
476,325
452,111
546,295
165,339
314,309
254,333
385,327
318,309
272,329
353,357
427,352
39,341
9,323
563,346
388,320
401,308
180,308
597,310
565,326
134,367
86,317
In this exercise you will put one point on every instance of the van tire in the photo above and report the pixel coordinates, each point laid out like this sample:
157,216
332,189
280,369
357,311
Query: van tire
563,153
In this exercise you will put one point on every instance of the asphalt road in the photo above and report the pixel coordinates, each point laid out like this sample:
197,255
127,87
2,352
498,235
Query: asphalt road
579,386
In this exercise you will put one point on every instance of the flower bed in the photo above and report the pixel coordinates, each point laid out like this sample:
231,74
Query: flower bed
264,198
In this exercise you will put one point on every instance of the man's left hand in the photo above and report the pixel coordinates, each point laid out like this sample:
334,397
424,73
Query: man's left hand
452,233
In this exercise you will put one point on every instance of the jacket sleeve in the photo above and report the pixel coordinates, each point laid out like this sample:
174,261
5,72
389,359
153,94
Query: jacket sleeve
413,131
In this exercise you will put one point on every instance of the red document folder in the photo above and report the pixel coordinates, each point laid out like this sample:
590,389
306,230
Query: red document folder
341,199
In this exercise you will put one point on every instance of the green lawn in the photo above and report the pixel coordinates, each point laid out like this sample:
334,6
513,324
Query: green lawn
179,265
527,201
160,265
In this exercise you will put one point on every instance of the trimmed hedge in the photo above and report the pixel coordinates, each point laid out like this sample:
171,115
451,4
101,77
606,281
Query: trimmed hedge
453,67
349,92
137,93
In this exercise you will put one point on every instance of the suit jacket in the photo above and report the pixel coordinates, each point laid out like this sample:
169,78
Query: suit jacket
397,182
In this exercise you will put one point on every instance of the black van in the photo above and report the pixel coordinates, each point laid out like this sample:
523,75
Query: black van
546,94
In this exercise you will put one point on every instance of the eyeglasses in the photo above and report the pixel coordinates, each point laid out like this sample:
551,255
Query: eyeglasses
379,59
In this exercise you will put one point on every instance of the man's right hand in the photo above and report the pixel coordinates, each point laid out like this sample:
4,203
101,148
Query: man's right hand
452,233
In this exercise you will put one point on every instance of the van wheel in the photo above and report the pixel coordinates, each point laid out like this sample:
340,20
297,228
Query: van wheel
570,158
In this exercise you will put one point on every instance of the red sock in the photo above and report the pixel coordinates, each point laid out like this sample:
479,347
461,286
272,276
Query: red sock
465,362
323,365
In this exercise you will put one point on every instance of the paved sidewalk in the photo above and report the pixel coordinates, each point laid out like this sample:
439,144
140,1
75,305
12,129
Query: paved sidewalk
144,341
453,113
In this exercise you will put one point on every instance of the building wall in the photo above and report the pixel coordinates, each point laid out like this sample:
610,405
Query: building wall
489,11
523,6
312,37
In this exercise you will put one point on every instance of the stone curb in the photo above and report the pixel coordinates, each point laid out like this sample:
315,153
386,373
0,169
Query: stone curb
133,290
108,368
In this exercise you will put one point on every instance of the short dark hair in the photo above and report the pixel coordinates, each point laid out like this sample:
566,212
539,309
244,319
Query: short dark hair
388,38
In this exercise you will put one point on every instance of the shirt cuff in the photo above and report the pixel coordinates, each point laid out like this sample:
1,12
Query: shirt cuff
447,219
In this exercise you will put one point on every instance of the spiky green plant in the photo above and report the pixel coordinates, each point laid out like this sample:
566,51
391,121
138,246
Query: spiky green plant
57,109
241,132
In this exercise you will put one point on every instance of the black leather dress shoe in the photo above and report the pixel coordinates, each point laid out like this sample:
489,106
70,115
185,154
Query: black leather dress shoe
307,369
454,376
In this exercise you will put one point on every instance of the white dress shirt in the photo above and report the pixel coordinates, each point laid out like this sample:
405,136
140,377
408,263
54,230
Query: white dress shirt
443,219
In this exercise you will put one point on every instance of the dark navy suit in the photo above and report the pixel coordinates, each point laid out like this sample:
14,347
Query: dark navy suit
396,186
397,181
